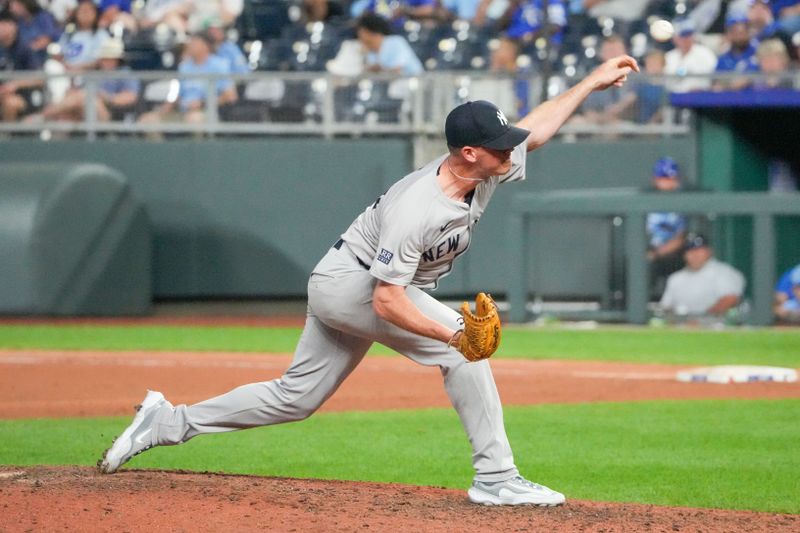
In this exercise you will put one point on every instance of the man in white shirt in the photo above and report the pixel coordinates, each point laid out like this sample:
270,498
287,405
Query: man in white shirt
705,286
689,58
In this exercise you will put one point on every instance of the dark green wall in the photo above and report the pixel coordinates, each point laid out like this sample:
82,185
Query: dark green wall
244,217
735,146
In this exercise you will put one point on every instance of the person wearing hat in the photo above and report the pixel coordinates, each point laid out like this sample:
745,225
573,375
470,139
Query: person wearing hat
666,232
369,288
705,286
741,53
689,58
114,95
787,296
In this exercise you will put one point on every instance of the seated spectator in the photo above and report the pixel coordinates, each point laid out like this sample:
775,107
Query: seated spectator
198,59
601,107
773,59
505,60
740,55
645,96
770,18
37,28
787,296
526,20
689,58
114,96
15,94
666,232
82,42
227,49
386,52
117,11
705,286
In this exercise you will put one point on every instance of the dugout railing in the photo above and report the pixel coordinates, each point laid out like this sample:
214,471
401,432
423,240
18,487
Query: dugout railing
633,206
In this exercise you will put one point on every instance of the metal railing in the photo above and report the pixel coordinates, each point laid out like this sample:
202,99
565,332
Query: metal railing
285,103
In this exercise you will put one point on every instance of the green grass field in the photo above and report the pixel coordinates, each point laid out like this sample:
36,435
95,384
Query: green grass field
768,347
726,454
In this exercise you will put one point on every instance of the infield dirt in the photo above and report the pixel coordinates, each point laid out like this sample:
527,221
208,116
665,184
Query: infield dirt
38,383
69,383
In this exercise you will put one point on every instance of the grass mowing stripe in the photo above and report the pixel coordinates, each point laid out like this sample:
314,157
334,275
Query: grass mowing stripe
767,347
727,454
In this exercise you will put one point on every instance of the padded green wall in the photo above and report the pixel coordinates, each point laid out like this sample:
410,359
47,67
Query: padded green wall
74,240
251,217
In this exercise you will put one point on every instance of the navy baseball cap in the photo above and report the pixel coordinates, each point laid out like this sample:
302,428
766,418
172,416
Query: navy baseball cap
666,167
696,240
481,123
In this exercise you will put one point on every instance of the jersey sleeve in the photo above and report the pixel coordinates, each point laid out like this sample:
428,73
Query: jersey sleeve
519,158
399,248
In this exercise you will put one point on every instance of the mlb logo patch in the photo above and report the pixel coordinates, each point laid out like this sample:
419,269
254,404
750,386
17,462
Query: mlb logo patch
385,256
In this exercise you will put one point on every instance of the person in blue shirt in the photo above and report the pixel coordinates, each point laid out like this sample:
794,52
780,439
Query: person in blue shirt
772,17
36,27
227,49
386,52
16,55
527,19
787,296
666,232
741,53
115,96
82,42
198,59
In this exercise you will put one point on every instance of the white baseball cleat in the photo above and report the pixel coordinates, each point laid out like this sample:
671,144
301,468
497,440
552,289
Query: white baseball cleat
138,437
514,491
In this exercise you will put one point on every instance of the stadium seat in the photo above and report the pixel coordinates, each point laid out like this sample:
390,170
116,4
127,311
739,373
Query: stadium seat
263,19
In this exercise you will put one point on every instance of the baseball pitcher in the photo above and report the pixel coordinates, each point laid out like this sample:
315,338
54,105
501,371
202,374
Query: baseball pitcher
369,288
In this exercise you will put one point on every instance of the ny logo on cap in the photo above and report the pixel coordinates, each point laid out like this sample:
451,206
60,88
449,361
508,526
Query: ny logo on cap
502,118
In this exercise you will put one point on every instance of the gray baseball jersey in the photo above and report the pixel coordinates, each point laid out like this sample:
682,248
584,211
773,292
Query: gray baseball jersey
412,234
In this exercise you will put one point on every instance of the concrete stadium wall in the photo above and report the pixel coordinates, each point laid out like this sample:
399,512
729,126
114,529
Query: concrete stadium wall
74,240
250,218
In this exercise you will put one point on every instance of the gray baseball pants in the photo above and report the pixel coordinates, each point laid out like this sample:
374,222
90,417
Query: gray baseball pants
340,327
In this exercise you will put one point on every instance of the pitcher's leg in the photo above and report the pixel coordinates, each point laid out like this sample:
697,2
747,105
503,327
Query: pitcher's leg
324,357
470,386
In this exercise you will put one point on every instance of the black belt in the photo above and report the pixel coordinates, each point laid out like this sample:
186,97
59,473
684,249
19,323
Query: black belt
338,246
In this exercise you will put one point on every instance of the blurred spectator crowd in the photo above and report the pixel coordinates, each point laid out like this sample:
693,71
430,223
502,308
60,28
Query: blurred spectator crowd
516,38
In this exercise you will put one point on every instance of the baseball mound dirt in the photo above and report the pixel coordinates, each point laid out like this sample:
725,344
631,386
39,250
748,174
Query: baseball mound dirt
72,498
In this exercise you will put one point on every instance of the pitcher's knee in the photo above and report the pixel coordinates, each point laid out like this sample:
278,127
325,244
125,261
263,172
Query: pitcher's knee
304,407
